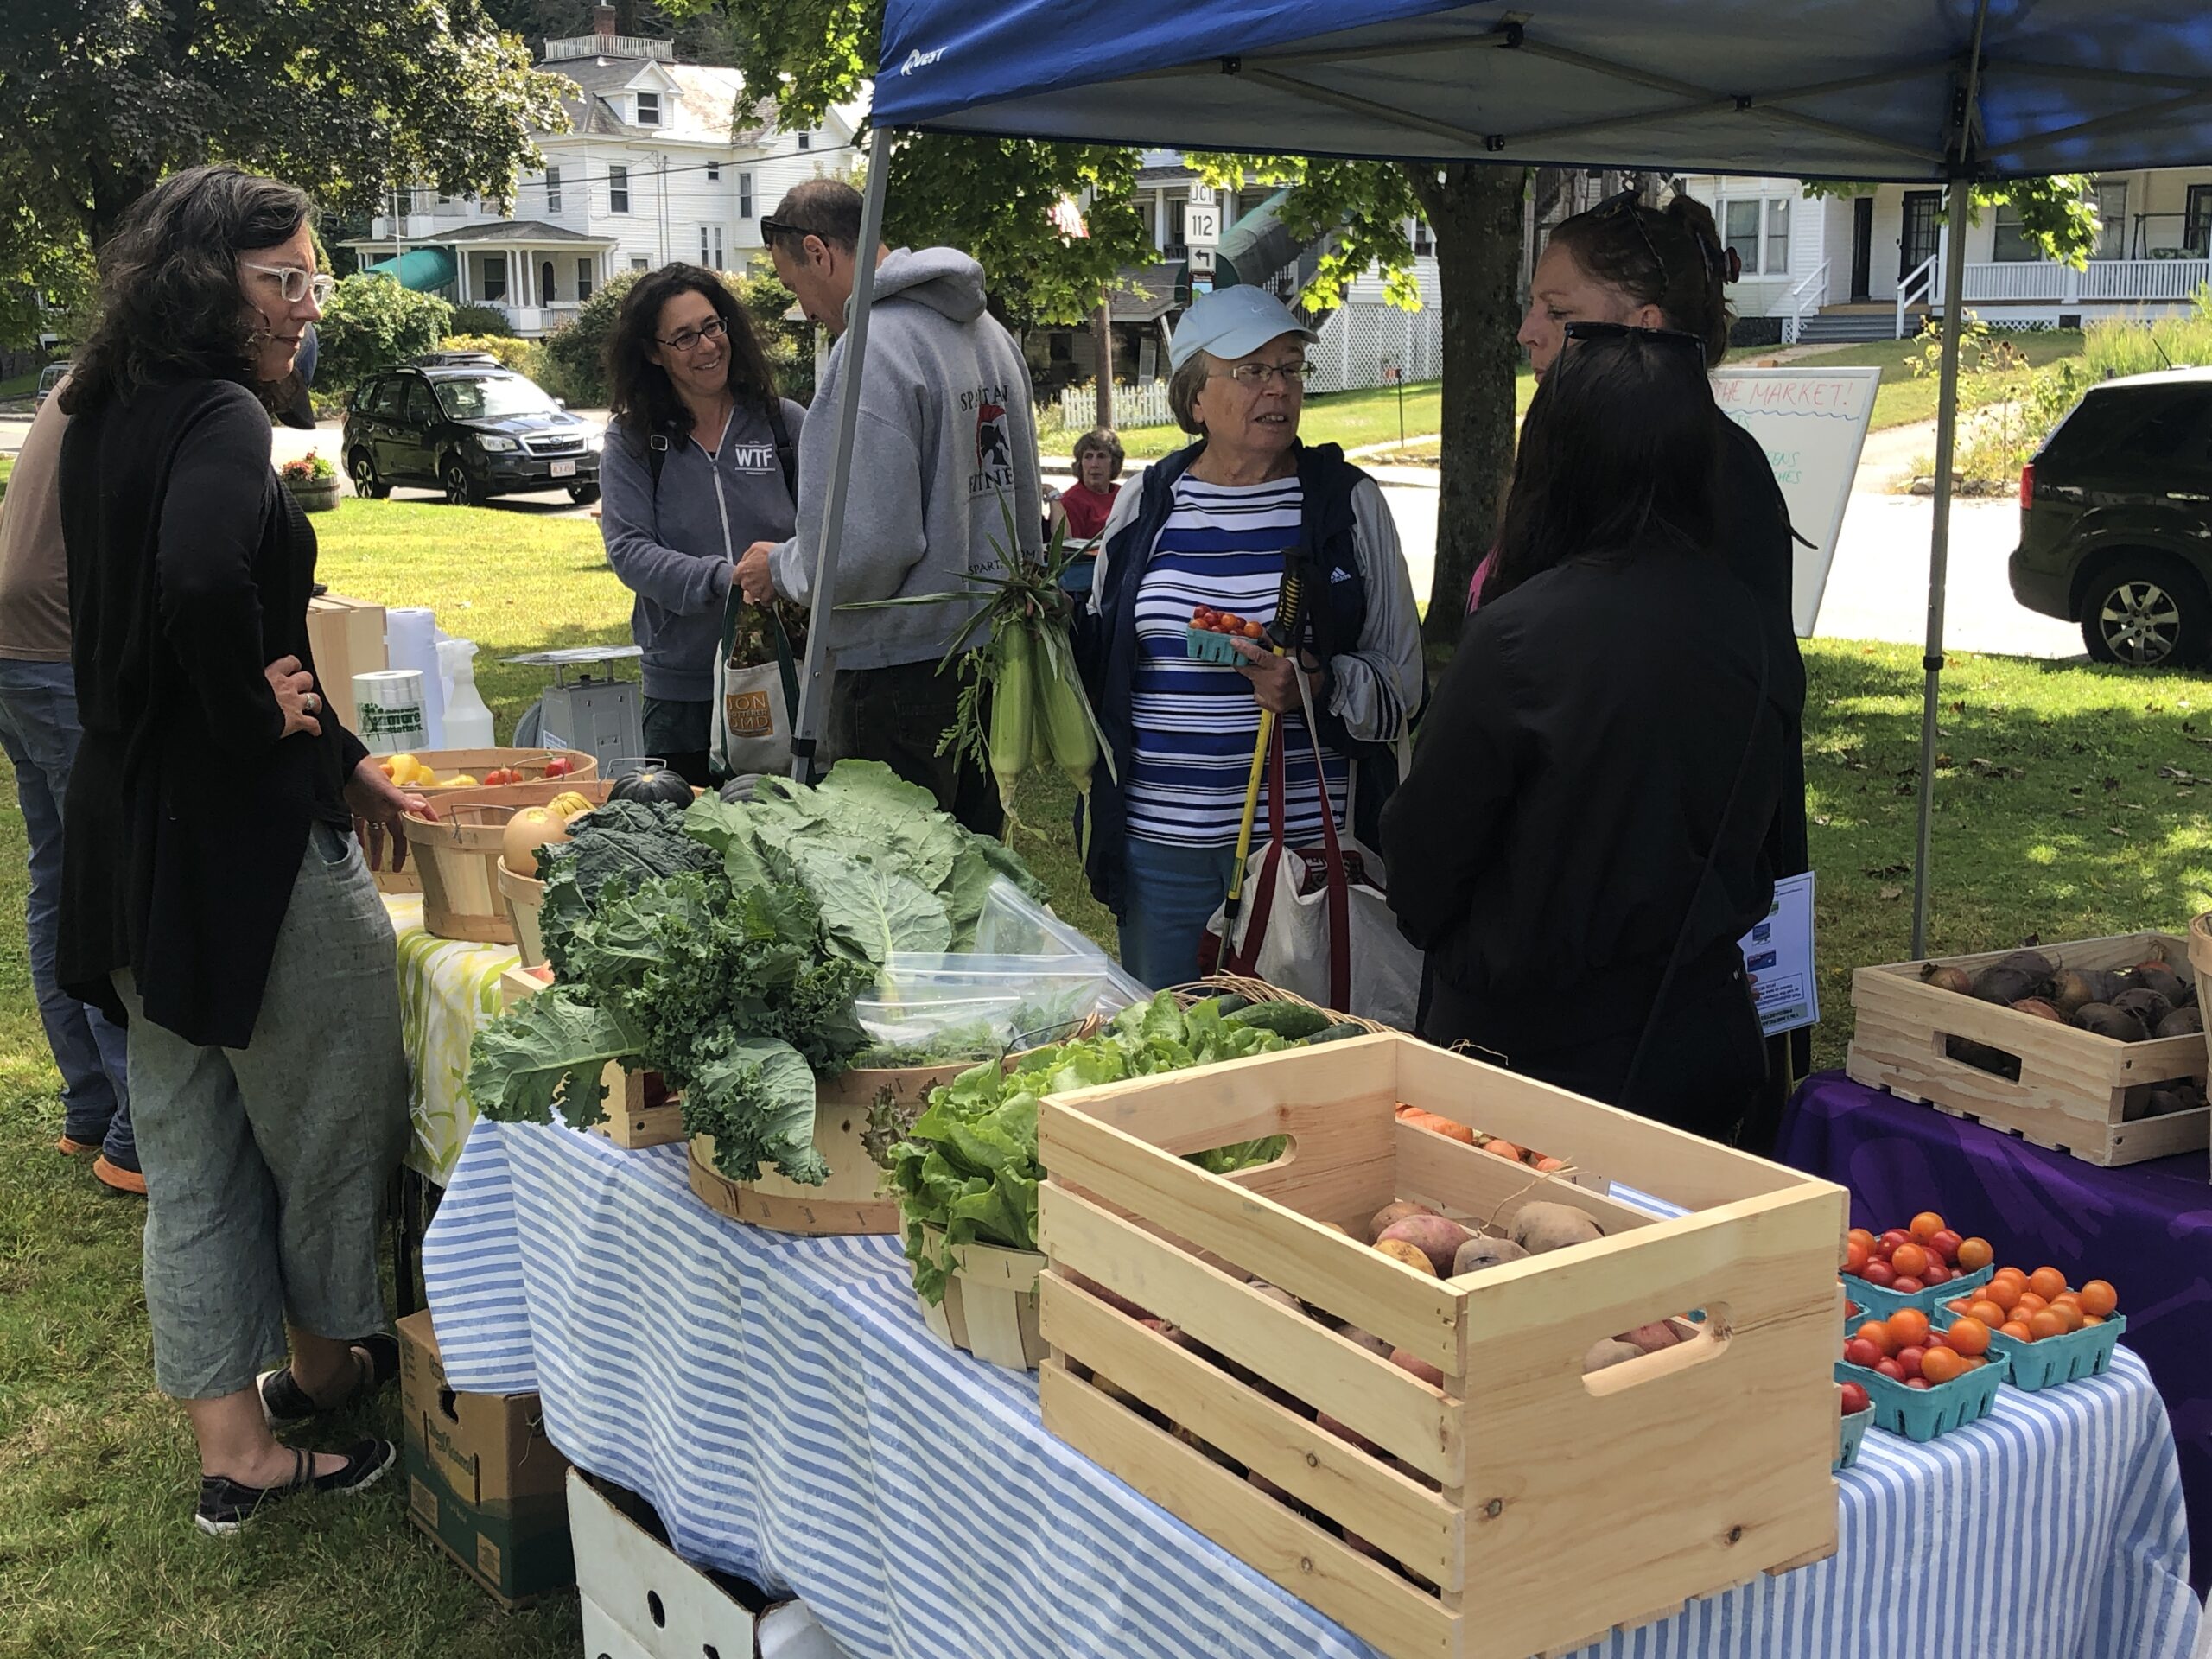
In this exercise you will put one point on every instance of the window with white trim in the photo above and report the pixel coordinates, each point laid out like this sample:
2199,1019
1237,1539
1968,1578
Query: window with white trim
2009,244
552,189
583,279
2112,218
745,195
649,108
638,262
710,246
494,283
618,189
806,141
714,172
1757,229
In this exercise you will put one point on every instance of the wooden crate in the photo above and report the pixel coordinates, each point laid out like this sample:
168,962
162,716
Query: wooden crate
345,638
2075,1089
1531,1509
640,1112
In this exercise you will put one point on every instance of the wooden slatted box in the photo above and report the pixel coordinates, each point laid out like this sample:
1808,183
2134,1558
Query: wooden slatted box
1531,1509
2076,1089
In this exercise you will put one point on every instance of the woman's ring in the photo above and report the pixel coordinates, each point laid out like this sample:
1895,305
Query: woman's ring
311,702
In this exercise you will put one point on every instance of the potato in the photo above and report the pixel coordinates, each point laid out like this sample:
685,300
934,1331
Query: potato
1541,1227
1440,1237
1420,1368
1390,1213
1366,1340
1482,1251
1329,1424
1609,1351
1412,1254
1650,1338
1277,1295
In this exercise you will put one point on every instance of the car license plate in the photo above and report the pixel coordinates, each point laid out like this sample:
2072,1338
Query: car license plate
562,469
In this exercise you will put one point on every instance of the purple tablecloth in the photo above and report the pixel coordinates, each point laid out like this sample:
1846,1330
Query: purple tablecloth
2145,1227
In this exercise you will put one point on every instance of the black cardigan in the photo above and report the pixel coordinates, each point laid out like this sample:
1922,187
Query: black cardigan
1567,783
190,568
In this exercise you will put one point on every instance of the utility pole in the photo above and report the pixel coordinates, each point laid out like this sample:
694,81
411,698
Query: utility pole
1101,335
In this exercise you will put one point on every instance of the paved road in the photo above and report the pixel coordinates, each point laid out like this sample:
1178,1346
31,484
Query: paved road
1878,587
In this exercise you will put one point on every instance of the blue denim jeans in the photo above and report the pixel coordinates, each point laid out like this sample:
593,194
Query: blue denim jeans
38,729
1170,893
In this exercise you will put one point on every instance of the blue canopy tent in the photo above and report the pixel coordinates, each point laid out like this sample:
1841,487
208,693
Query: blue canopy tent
1911,91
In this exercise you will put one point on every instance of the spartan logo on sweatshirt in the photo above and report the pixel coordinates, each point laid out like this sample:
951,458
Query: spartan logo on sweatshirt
994,450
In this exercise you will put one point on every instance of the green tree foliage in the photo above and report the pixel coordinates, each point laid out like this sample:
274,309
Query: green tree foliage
373,323
473,319
992,197
575,351
100,98
790,345
2058,215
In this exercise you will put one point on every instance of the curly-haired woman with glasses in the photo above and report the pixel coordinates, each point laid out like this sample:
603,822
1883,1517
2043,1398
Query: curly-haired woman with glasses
701,465
211,882
1217,524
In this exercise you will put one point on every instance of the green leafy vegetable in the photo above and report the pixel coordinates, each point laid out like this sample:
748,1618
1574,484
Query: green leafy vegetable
550,1051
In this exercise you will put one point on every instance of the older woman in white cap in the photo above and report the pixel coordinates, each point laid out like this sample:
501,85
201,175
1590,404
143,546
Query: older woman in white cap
1221,524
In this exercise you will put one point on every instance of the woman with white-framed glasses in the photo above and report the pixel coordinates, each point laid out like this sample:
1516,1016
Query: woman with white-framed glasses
702,463
1218,524
238,925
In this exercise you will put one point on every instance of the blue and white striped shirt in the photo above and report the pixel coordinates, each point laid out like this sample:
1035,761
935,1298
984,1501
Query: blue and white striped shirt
1223,546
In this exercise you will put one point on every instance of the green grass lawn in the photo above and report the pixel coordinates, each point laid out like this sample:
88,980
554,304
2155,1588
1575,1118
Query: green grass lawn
1904,398
2067,807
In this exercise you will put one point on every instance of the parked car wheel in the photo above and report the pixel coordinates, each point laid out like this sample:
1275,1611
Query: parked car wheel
583,494
2146,610
362,467
461,490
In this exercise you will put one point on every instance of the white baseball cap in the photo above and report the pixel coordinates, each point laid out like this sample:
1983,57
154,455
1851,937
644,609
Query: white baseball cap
1232,322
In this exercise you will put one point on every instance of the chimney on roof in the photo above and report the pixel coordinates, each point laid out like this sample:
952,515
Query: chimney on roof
603,23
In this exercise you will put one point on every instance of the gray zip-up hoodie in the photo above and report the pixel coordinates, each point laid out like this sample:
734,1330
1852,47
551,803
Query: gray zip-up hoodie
676,555
945,445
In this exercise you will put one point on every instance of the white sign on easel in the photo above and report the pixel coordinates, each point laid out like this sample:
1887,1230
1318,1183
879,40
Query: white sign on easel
1812,422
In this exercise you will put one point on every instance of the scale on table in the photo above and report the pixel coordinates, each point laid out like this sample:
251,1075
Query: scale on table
586,707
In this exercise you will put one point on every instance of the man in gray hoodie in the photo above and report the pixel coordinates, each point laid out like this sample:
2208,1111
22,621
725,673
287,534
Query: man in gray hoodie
945,452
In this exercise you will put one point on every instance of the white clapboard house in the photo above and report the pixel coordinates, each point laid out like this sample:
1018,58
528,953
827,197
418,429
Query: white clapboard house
661,161
1870,266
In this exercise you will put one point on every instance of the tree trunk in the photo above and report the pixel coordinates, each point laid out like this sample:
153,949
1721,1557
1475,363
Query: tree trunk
1475,211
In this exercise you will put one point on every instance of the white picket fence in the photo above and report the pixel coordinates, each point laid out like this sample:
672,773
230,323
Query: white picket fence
1360,343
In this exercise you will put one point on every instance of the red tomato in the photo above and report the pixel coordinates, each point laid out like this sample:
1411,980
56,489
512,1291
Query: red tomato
1946,1245
1909,1361
1895,1236
1878,1272
1937,1274
1905,1284
1859,1351
1855,1398
559,766
1916,1381
1876,1331
1891,1370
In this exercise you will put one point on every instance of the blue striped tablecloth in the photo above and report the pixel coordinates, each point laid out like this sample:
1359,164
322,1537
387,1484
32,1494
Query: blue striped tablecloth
783,1406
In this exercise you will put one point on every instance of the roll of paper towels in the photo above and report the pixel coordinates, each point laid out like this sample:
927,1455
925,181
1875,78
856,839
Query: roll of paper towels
411,640
389,705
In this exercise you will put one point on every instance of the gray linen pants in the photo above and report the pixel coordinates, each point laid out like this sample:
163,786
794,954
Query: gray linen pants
265,1166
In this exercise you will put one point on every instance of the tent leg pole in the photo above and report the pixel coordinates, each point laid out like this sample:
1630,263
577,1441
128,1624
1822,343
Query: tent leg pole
1939,545
814,684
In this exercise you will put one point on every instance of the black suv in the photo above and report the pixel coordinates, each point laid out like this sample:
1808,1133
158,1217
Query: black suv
2116,521
467,426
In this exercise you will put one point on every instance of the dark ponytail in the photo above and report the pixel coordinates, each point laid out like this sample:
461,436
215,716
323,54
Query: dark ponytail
1688,282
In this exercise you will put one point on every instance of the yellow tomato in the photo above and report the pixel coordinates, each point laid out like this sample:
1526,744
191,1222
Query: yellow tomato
461,780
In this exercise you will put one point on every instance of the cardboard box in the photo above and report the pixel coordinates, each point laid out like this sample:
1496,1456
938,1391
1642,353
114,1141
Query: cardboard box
482,1478
640,1599
345,638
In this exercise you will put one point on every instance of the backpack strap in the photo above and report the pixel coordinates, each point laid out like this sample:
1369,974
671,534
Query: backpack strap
655,463
787,451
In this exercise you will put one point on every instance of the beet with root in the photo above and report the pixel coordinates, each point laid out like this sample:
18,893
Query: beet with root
2032,962
2156,976
2006,984
2148,1005
2071,992
2107,1021
2182,1022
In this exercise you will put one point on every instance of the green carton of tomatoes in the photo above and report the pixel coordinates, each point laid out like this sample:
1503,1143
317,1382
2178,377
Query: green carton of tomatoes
2048,1361
1879,1302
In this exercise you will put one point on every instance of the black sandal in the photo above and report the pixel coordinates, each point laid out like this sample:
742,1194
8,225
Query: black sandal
226,1505
284,1402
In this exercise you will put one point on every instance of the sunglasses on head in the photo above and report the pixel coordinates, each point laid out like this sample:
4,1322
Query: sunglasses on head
1628,202
769,227
1630,331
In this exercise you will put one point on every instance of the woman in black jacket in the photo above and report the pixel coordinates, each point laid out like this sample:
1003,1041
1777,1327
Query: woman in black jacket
1667,267
1580,842
211,885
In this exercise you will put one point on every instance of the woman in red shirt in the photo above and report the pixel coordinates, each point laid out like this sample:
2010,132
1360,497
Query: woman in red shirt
1084,506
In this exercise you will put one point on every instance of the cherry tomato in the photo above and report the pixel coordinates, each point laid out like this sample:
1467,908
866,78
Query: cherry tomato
1967,1335
1926,1226
1855,1398
1908,1327
2003,1292
2047,1282
1937,1274
2017,1330
1909,1361
1876,1331
1940,1365
1895,1236
1859,1235
2068,1311
1891,1370
1859,1351
1959,1305
1878,1272
1854,1257
2029,1304
1974,1254
1905,1284
1909,1260
1945,1245
2048,1323
1253,631
1916,1382
2099,1300
2088,1320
